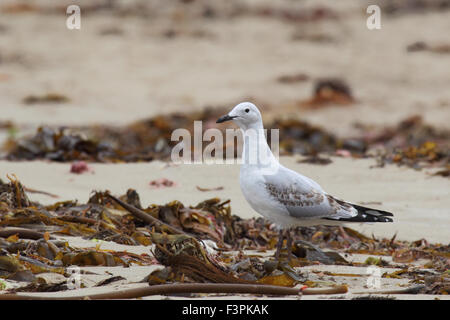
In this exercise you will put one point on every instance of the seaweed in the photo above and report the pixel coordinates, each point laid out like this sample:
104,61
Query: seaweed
193,243
411,142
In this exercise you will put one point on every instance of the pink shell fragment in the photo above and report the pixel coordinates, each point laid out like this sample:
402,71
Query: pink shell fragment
162,183
79,167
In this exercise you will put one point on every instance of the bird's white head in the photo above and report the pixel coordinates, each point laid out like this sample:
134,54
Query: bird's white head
246,115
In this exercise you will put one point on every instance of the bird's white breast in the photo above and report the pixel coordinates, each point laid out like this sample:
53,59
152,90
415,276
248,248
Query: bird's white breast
253,188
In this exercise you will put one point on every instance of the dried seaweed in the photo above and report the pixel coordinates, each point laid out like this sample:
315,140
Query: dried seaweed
402,7
411,143
329,92
294,78
187,255
422,46
187,258
46,98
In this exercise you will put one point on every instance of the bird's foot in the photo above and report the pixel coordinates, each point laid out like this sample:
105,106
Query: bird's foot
279,248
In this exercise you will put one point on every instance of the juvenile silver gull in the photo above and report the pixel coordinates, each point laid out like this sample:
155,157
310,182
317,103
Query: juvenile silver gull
283,196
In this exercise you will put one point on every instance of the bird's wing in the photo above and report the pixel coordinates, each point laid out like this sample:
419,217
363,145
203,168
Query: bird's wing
303,198
363,214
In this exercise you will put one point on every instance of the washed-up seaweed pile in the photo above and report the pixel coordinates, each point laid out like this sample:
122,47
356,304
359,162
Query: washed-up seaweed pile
401,7
28,247
203,243
199,9
141,141
412,142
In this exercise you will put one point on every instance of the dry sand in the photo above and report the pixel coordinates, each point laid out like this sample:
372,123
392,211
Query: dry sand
136,72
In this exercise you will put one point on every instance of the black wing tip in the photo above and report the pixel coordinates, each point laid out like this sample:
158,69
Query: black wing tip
367,218
366,214
373,212
361,218
385,213
370,215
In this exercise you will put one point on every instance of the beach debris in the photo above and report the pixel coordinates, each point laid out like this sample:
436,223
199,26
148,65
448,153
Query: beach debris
111,31
312,36
375,261
46,98
316,159
33,244
6,125
343,153
59,145
303,15
186,257
109,280
311,252
401,7
177,288
337,289
92,258
209,189
409,290
279,279
410,143
444,172
15,8
300,137
141,141
13,193
329,91
162,183
422,46
79,167
31,190
294,78
436,284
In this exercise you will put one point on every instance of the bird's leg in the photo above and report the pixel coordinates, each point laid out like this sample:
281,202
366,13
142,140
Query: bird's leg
289,244
279,244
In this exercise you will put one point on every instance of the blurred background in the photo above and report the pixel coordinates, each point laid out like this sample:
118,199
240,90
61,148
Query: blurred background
313,61
135,59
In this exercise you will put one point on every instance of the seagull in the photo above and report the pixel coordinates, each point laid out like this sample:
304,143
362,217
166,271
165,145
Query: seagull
281,195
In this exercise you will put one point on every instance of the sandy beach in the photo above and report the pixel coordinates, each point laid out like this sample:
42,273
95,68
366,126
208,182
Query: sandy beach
421,210
132,61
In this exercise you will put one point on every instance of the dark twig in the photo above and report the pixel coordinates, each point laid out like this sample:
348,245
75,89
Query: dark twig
89,221
141,215
332,290
163,289
30,190
21,233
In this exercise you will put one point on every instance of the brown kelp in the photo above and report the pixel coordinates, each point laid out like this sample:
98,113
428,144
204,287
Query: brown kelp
192,244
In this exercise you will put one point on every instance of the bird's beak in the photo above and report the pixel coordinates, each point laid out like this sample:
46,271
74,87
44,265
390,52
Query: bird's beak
225,118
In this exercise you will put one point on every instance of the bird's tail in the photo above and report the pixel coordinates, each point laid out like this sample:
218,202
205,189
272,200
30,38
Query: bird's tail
368,215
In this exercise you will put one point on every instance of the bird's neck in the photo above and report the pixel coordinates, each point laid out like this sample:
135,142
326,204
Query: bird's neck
256,151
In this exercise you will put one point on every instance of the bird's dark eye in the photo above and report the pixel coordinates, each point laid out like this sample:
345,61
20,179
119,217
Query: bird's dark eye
247,110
